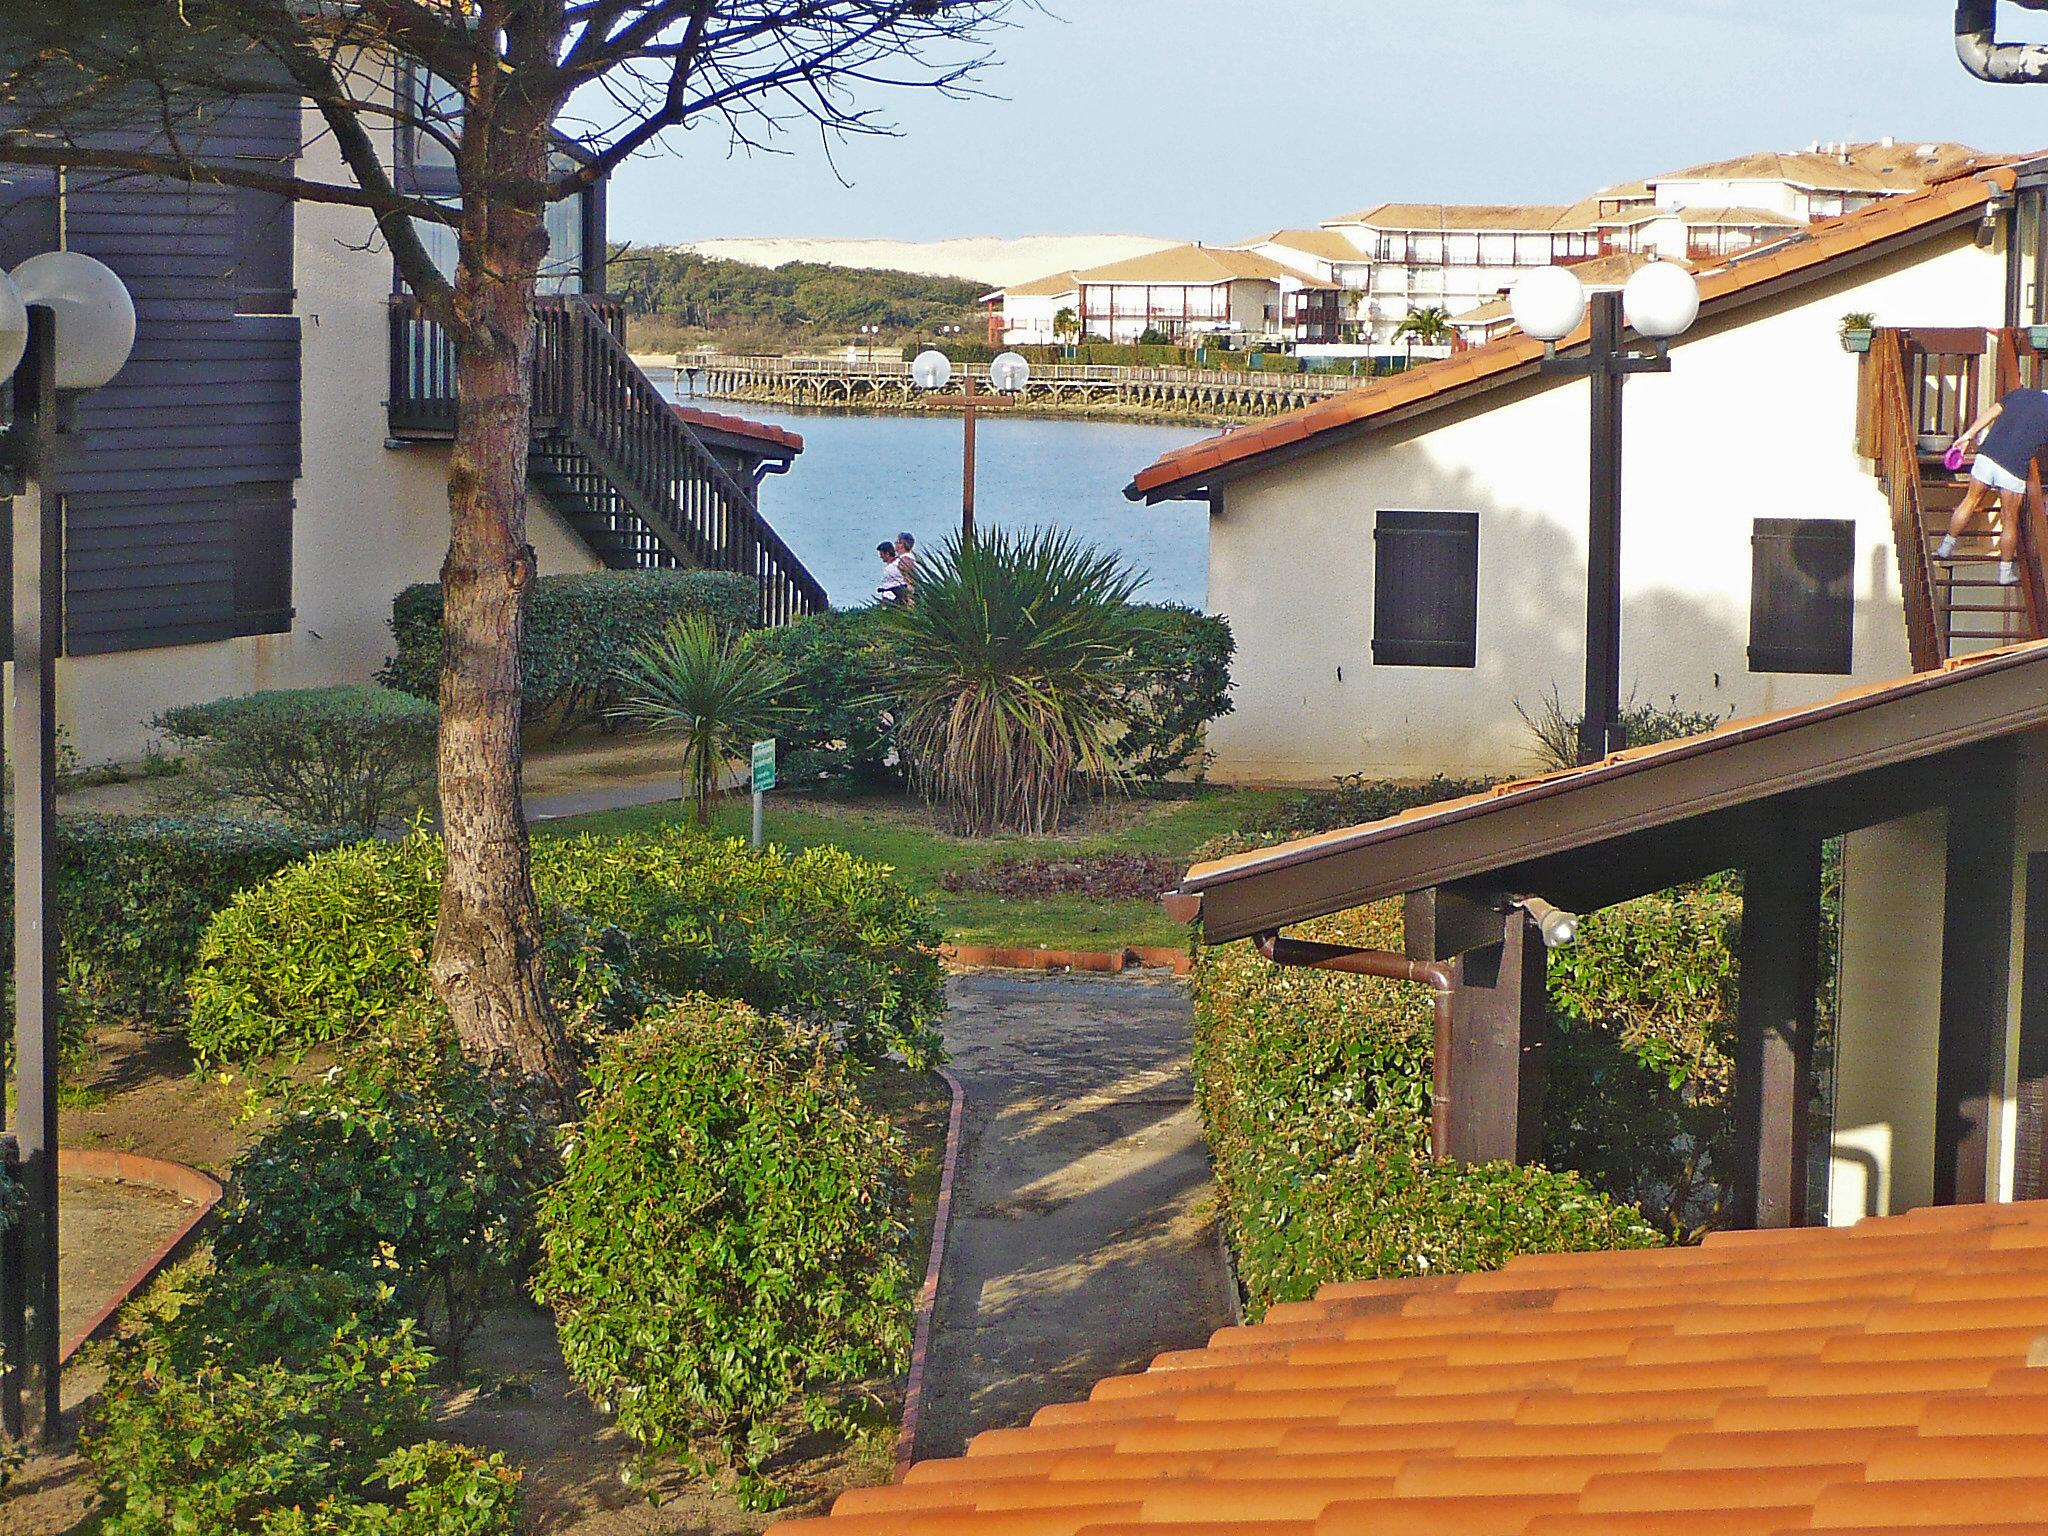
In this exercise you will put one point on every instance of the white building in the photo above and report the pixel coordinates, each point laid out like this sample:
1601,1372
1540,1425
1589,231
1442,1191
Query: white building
1404,565
1460,258
1029,314
1200,290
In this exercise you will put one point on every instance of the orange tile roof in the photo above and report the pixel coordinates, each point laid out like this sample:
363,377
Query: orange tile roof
1802,256
740,426
1325,244
1425,218
1878,1378
1195,265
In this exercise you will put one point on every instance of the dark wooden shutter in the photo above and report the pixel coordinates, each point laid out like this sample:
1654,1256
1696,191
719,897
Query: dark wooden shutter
263,557
1425,596
1802,608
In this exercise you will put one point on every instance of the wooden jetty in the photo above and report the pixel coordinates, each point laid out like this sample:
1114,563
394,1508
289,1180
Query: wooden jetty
884,383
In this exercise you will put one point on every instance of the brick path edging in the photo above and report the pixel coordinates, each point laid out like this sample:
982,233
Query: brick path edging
1109,962
203,1191
928,1296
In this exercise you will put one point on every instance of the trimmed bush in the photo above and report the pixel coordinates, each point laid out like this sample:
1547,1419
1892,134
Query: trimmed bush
280,1402
1175,679
331,948
822,935
577,628
134,896
343,757
405,1166
841,668
1315,1091
1641,1068
728,1241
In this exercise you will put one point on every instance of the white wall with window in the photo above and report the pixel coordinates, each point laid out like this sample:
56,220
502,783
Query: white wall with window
1757,559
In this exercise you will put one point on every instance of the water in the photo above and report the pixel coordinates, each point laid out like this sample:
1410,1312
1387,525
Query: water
861,479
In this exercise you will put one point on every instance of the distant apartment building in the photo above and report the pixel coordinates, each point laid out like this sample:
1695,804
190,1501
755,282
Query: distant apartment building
1346,287
1186,292
1028,315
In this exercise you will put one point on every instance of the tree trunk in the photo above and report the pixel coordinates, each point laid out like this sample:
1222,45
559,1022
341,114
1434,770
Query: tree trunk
487,964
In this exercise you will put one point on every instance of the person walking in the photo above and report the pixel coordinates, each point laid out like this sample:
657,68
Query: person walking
895,586
906,559
2012,433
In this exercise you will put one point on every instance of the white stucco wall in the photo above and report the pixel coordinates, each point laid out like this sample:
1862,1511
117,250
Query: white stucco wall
370,519
1757,419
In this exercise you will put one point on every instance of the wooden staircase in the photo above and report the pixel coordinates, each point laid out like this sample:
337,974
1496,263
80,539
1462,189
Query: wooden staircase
1920,390
608,453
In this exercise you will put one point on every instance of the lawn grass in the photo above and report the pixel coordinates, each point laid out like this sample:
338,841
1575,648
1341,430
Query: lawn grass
899,832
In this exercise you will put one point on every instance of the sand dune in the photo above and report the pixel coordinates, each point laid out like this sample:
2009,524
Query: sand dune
984,259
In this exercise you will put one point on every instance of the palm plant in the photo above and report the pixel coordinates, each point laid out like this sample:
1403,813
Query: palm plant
1066,325
1430,325
719,692
1010,695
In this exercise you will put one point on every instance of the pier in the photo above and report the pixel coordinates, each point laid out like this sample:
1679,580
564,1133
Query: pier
883,383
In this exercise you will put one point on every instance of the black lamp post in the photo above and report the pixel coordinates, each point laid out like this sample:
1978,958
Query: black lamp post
67,326
1661,302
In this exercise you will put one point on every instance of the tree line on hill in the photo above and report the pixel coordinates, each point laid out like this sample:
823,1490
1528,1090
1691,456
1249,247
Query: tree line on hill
680,290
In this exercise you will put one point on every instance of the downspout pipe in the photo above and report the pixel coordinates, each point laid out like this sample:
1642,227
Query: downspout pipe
1394,967
1987,58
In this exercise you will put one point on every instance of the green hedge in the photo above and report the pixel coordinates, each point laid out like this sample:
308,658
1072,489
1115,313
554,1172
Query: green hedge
135,893
729,1238
839,664
332,948
577,628
1315,1091
1176,680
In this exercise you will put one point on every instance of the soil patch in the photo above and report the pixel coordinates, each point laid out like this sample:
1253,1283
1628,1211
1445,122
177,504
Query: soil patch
105,1232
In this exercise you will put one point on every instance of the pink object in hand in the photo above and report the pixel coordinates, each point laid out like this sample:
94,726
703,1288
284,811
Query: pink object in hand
1953,459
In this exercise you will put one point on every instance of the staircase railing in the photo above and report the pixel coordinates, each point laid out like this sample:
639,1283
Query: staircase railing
2020,365
588,391
1892,442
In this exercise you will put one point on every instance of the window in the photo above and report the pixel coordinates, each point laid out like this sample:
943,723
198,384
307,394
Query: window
433,124
2027,278
1802,597
263,252
263,557
1425,610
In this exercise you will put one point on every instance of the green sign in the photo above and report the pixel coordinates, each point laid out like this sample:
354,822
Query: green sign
764,765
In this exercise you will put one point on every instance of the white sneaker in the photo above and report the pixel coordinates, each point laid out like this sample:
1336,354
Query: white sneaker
2008,574
1946,549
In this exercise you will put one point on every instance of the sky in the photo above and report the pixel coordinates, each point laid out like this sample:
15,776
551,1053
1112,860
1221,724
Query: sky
1218,119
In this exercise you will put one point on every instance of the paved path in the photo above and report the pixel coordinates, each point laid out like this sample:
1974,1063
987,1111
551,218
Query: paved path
1083,1241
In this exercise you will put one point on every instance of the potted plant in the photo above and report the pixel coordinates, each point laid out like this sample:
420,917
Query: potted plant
1856,328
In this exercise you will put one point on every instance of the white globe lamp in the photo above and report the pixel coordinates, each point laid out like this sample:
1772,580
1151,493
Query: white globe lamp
1661,301
1010,372
13,326
95,315
1548,303
931,369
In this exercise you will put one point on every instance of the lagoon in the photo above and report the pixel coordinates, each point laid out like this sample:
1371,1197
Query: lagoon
862,478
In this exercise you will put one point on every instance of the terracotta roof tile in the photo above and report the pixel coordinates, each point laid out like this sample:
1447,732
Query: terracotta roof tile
1868,1380
740,426
1804,251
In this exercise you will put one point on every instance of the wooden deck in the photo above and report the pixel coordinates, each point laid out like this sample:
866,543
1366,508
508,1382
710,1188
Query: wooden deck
884,383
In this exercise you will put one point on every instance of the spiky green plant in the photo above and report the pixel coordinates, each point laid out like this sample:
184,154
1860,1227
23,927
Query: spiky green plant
1010,695
717,692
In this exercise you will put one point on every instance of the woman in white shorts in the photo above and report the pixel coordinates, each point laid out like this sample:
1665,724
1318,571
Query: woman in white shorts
2013,432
